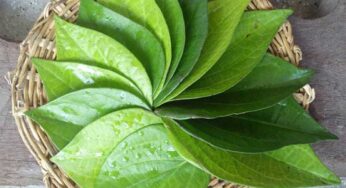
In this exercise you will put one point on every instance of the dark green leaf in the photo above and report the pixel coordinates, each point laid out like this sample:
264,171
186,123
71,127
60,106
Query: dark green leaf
175,21
270,82
249,44
75,43
127,148
196,20
292,166
60,78
284,124
224,16
139,40
64,117
148,14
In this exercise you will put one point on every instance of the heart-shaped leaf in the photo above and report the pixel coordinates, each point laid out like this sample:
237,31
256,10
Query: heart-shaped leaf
270,82
196,20
242,55
75,43
284,124
224,16
127,148
60,78
175,21
292,166
235,115
148,14
139,40
64,117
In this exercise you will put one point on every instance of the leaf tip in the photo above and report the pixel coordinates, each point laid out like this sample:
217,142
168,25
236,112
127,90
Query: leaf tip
330,136
29,113
32,114
58,20
288,12
36,61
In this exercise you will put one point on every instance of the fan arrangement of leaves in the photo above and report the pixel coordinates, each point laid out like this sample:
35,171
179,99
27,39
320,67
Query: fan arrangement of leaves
166,93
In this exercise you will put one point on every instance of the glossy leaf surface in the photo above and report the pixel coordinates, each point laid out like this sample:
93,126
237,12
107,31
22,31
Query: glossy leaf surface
270,82
60,78
148,14
224,16
292,166
173,14
64,117
127,148
139,40
196,20
284,124
75,43
249,44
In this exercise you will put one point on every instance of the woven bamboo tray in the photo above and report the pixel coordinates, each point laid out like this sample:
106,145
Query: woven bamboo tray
27,89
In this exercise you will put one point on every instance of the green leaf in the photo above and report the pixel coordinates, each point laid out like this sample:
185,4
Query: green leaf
139,40
176,24
60,78
127,148
249,44
284,124
148,14
292,166
75,43
270,82
64,117
224,16
196,20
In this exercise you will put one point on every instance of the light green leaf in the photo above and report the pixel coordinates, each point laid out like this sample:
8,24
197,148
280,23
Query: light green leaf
224,16
64,117
148,14
196,20
292,166
60,78
270,82
176,24
249,44
127,148
139,40
75,43
284,124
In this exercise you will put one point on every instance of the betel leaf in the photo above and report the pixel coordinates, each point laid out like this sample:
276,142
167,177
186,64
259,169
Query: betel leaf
224,16
175,21
60,78
292,166
148,14
64,117
196,21
127,148
284,124
249,44
271,81
75,43
139,40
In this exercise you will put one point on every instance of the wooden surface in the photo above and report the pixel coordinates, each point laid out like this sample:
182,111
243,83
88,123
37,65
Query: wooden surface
323,42
17,166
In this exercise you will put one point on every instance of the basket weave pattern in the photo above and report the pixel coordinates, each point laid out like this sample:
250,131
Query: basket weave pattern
27,89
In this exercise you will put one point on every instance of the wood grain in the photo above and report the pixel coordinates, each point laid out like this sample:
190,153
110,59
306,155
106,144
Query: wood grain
17,166
323,42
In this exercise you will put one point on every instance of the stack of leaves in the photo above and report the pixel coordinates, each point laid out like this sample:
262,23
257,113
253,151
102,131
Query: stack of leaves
166,93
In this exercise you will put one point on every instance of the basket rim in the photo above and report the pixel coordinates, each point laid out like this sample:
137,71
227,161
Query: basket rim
27,91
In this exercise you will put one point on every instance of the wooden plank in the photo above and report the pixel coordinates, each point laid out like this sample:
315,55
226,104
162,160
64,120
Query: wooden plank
17,166
323,42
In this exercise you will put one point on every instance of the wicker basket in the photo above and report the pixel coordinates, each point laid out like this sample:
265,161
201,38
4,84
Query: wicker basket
27,89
